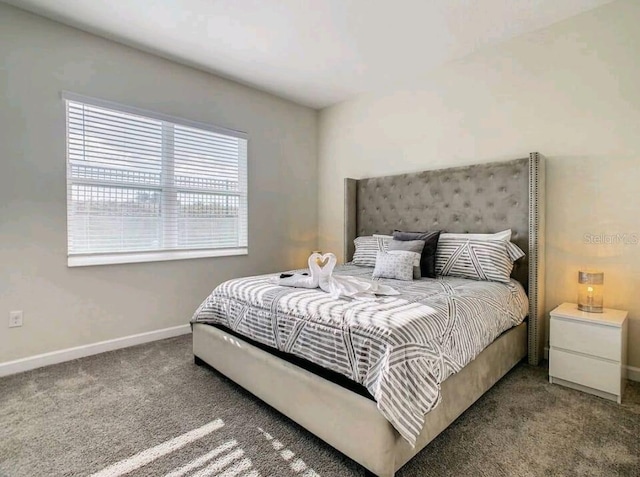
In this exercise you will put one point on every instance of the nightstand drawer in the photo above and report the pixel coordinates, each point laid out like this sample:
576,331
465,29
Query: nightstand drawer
592,339
591,372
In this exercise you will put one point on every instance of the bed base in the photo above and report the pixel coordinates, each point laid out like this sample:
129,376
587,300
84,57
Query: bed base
345,420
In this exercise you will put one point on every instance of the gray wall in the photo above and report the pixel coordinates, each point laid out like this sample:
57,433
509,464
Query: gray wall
66,307
570,91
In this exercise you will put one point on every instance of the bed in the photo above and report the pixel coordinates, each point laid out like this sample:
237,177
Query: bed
481,198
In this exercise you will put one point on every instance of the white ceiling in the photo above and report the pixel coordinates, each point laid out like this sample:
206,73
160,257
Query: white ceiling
315,52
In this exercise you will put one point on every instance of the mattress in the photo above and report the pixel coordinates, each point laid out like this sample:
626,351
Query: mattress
400,348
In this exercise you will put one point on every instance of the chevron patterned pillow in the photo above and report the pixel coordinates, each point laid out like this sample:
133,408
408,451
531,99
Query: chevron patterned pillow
490,260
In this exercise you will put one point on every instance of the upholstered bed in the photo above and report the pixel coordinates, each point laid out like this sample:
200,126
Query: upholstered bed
482,198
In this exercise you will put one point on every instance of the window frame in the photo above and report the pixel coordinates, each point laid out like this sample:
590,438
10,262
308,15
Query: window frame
141,256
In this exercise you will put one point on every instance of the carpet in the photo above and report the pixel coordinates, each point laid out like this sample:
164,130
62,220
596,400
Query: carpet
149,411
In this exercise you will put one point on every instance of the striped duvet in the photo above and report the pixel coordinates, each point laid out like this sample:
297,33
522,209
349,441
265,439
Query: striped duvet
400,348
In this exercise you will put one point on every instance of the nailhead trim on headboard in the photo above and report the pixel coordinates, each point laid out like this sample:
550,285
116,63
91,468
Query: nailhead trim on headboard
536,257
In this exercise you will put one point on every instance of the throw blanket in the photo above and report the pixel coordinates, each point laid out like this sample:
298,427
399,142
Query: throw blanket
399,347
337,286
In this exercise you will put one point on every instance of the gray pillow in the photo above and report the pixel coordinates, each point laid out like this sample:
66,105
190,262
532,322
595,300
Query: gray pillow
397,265
428,259
414,246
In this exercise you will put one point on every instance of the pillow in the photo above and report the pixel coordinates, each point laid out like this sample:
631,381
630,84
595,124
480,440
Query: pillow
367,247
428,257
490,260
514,251
397,265
413,246
504,235
383,241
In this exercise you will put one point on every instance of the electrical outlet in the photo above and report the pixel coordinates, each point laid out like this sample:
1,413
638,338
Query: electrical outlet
15,318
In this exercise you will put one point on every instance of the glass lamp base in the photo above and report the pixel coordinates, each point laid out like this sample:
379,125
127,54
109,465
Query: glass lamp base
589,308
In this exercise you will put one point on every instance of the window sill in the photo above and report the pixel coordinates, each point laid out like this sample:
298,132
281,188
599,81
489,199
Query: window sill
141,257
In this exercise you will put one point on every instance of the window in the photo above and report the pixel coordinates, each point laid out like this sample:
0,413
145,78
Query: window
142,186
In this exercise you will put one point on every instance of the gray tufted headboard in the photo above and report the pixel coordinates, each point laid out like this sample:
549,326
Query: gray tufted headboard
481,198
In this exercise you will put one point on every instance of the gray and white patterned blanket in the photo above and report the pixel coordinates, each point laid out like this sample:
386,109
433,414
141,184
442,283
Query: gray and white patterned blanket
401,348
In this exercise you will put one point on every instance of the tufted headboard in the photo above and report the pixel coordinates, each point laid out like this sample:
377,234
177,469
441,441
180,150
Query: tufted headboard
482,198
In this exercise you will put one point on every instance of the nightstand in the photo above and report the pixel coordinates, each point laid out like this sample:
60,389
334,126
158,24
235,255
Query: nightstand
588,351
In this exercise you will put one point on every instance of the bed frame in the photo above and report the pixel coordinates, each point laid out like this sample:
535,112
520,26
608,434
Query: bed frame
479,198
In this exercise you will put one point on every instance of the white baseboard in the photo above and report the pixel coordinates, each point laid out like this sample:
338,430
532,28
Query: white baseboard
633,373
55,357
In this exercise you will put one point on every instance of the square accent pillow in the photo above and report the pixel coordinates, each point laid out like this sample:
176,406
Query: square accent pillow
367,247
490,260
398,266
414,246
428,256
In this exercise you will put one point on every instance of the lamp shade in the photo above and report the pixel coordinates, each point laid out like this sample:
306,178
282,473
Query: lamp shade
590,288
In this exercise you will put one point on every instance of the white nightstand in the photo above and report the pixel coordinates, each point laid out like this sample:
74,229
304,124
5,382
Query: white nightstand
588,351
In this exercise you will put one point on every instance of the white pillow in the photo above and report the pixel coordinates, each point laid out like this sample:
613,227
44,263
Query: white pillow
397,265
383,241
505,236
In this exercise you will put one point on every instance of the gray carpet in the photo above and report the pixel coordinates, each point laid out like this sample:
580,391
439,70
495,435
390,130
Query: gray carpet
81,417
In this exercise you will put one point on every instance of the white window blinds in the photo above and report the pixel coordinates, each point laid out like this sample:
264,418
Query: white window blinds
142,186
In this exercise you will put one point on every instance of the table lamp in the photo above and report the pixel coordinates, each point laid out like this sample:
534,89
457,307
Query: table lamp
590,286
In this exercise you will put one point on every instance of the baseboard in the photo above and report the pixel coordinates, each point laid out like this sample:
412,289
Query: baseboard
55,357
633,373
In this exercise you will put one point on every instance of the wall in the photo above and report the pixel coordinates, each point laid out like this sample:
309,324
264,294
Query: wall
66,307
569,91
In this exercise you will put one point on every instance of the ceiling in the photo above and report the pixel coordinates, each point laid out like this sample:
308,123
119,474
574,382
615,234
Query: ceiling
314,52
